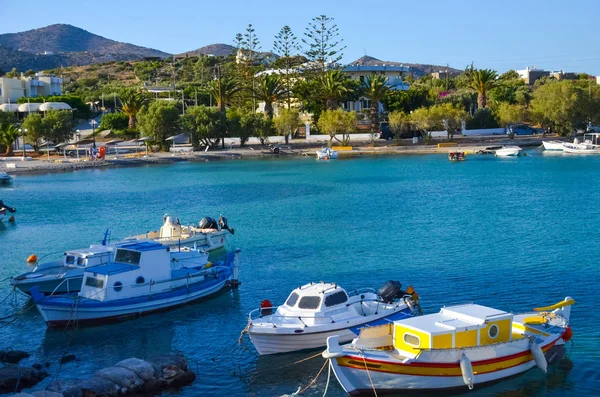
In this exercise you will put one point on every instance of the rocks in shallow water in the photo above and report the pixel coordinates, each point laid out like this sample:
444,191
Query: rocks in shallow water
18,378
67,358
46,393
129,376
12,356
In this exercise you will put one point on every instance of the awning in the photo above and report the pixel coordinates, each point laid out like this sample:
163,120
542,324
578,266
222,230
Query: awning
54,106
9,107
113,142
29,107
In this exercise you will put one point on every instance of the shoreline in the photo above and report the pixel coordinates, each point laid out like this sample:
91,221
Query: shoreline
293,150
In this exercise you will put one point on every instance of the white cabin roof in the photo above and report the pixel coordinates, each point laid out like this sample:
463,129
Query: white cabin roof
454,318
316,288
91,250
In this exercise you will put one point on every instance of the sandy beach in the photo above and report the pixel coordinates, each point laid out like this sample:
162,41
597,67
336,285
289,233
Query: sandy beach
41,164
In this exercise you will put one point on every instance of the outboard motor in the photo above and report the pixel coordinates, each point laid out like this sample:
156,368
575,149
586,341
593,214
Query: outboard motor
208,223
390,291
9,209
224,226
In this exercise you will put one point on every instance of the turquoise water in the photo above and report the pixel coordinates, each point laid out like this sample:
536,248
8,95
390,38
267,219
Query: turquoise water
512,233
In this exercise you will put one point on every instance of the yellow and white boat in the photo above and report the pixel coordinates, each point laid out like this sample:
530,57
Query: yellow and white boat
460,346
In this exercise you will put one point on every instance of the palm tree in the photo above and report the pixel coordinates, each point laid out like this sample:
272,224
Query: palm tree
269,89
481,80
8,135
131,102
224,93
332,88
375,87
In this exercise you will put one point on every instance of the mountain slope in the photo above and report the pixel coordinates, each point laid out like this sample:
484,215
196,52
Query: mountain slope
418,69
217,49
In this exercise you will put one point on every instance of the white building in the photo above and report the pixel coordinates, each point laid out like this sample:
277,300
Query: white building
11,89
597,79
531,74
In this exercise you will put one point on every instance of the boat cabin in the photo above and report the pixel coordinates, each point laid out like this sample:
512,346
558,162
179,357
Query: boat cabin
315,300
453,327
86,257
135,269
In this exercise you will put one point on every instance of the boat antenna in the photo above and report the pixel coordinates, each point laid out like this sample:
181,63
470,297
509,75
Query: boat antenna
106,234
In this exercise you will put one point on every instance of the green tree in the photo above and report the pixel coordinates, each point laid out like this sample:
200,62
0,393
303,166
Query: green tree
159,120
58,125
286,122
114,121
286,45
225,91
332,88
34,124
323,43
408,100
560,105
203,124
426,120
235,127
269,89
333,122
8,135
482,118
481,81
375,87
400,123
511,114
452,117
132,101
258,125
13,74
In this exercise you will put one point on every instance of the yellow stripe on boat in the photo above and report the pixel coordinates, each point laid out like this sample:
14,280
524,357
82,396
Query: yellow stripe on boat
555,306
535,320
524,328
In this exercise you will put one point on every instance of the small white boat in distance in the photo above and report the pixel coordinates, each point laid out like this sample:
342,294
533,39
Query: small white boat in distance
509,151
5,179
327,154
461,346
316,311
143,278
553,145
209,233
588,146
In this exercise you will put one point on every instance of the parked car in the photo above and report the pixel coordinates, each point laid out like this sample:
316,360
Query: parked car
522,129
385,132
592,128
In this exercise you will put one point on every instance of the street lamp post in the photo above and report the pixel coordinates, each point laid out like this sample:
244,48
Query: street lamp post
76,146
23,131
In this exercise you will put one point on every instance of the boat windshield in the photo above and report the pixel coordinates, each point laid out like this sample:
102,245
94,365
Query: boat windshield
127,256
309,302
336,299
291,301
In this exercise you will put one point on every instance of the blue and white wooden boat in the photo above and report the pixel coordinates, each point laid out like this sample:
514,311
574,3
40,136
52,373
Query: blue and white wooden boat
316,311
5,179
143,278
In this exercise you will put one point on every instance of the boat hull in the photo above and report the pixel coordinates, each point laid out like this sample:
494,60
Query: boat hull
210,241
351,371
553,145
89,312
52,286
274,343
508,152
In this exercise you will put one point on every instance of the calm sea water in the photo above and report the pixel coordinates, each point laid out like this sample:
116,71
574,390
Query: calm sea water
512,233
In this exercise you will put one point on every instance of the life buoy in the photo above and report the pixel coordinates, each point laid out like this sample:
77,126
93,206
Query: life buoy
102,151
32,260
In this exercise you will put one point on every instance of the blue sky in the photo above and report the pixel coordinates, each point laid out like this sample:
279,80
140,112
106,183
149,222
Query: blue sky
503,35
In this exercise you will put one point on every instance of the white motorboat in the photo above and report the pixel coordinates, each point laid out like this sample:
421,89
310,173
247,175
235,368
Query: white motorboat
66,275
5,209
508,151
209,234
5,179
143,278
316,311
553,145
588,146
461,346
326,154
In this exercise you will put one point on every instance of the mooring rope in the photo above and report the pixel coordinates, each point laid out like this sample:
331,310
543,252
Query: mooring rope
312,381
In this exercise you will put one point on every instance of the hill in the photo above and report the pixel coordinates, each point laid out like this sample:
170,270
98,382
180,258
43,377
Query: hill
65,45
419,69
218,50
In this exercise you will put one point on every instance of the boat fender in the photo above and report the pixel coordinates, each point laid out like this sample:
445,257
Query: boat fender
32,260
538,356
208,265
266,307
467,371
334,349
568,334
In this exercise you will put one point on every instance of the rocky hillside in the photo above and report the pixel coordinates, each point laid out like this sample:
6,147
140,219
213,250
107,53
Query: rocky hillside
65,45
219,50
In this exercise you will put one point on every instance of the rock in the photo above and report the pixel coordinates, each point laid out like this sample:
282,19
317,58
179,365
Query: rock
12,356
123,377
176,360
142,368
67,358
13,378
21,395
67,387
182,378
46,393
37,366
97,386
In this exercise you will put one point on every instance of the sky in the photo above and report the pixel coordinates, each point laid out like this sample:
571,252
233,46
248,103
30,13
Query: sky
502,35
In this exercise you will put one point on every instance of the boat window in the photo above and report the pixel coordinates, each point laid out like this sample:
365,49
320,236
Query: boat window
309,302
291,301
139,280
336,299
118,286
493,331
70,260
127,256
412,340
94,282
80,261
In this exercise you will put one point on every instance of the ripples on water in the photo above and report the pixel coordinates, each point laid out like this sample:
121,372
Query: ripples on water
512,233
